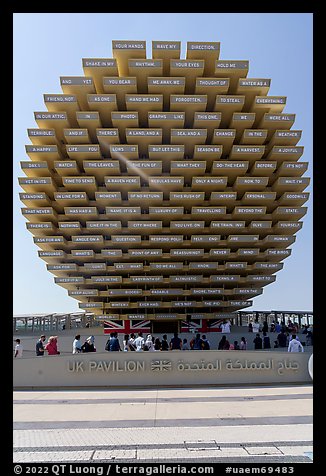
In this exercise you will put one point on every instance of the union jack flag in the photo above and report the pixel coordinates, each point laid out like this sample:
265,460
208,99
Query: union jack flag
126,326
110,326
142,325
186,326
161,365
214,325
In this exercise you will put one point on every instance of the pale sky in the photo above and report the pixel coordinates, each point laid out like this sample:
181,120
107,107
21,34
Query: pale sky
50,45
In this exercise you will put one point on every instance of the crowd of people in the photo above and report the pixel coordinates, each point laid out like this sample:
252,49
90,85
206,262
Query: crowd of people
286,338
283,340
152,344
288,328
51,347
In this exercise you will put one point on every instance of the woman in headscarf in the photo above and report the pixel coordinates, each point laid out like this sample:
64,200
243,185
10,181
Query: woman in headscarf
243,344
125,343
51,346
89,346
157,344
149,343
224,344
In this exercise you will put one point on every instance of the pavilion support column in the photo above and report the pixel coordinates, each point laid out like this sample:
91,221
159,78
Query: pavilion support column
14,324
33,322
274,316
26,323
43,323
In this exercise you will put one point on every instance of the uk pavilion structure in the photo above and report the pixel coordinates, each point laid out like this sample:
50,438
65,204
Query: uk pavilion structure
164,193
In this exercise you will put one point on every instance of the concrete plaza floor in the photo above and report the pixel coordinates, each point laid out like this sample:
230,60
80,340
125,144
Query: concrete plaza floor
223,424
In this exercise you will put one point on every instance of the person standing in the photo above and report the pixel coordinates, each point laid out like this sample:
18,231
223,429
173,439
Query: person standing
89,346
52,346
236,345
76,345
175,342
114,343
266,341
250,329
131,342
205,343
157,344
18,349
149,343
226,327
281,338
165,344
243,344
258,342
256,326
295,345
39,348
224,344
309,338
139,342
125,343
305,328
265,326
185,345
197,343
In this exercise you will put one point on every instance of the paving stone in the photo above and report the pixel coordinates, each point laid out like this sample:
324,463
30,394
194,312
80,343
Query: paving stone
295,450
114,454
262,450
45,457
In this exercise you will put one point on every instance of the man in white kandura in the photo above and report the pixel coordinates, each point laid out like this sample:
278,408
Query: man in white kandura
295,345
